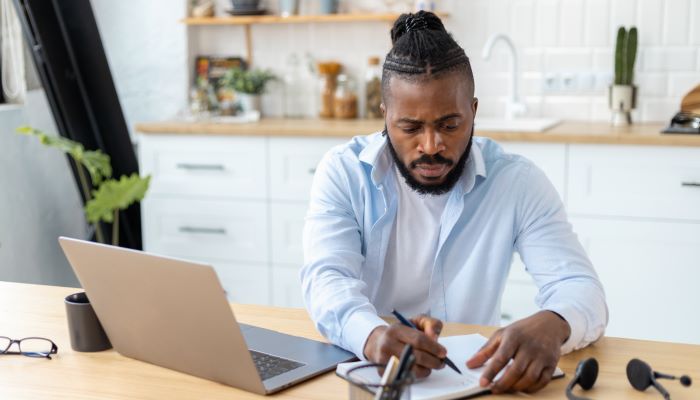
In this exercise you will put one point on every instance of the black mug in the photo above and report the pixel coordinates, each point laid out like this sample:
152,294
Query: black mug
85,331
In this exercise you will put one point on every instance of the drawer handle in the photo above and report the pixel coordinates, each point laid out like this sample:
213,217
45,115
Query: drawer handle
312,171
690,184
210,231
201,167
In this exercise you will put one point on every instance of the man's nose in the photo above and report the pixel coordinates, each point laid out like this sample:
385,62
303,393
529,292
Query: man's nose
431,142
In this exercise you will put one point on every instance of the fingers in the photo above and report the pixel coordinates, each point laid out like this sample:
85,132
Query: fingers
485,352
501,357
517,373
430,326
419,341
545,378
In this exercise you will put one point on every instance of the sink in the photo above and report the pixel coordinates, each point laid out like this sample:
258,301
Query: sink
514,125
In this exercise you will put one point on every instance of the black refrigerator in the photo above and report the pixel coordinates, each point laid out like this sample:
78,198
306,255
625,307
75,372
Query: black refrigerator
70,60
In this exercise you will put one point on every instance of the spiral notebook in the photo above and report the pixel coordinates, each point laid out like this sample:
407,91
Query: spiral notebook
444,383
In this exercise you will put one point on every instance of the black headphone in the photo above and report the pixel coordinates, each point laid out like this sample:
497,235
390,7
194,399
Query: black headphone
585,376
641,376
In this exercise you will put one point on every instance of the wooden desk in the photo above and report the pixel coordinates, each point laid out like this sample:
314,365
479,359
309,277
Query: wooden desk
32,310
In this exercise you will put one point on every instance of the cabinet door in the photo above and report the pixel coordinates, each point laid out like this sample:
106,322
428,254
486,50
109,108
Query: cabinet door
293,163
650,274
519,294
210,166
635,181
219,230
247,283
286,228
286,286
550,157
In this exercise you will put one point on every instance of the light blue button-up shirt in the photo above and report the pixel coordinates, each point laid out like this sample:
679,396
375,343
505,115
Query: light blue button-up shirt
502,203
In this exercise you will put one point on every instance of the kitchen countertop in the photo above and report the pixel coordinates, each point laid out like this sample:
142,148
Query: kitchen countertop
565,132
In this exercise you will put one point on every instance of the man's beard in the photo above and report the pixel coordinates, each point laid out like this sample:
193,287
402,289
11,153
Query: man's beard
451,178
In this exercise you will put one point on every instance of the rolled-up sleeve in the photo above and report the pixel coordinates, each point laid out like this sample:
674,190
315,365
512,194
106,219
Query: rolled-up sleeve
334,294
554,257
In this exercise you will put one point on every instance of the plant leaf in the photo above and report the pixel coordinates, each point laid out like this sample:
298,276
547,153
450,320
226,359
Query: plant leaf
115,194
98,165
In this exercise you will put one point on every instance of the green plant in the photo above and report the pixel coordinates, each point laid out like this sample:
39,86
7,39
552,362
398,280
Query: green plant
110,195
625,55
248,82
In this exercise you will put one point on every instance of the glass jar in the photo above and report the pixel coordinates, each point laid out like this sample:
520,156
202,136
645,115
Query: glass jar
373,89
345,99
328,72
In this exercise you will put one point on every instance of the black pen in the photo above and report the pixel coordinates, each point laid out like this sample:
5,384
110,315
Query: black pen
409,324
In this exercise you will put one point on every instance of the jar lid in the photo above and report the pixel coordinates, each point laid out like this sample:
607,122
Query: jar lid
374,60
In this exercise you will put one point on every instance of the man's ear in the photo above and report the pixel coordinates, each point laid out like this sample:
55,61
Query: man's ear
381,107
475,105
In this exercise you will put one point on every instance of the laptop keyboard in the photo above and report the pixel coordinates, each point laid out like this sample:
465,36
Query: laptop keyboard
270,366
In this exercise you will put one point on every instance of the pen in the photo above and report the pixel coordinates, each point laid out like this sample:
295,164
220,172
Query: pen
409,324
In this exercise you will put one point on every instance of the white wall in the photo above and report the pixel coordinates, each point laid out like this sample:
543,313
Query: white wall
38,201
556,38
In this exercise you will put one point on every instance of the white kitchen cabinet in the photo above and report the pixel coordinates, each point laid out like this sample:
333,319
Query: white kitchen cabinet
650,273
286,285
244,282
635,181
549,157
286,227
293,164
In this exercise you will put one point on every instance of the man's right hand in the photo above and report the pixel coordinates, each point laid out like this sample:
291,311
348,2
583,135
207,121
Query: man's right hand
385,341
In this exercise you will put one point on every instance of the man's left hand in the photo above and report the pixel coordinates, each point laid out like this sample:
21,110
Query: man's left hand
534,345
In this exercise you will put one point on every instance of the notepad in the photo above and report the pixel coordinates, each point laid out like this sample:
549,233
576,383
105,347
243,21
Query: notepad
444,383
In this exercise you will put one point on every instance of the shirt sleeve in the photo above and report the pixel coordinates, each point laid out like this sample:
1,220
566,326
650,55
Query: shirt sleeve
554,257
334,294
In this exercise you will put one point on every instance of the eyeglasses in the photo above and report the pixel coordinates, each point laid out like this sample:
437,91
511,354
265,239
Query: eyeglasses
29,346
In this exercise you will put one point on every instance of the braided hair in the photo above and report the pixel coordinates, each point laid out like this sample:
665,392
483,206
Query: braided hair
422,49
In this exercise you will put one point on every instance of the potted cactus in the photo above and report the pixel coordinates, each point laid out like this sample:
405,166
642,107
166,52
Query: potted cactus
622,96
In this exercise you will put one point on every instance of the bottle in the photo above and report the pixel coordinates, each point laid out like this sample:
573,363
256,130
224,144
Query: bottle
345,99
328,72
373,89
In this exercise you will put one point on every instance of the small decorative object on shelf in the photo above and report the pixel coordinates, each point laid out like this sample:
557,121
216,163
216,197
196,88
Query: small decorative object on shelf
328,7
373,89
289,7
328,72
622,94
248,86
345,99
202,8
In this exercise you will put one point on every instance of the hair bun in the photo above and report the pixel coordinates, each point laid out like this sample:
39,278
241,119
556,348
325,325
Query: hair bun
415,22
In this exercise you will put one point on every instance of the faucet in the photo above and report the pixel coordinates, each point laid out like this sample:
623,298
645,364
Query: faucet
514,107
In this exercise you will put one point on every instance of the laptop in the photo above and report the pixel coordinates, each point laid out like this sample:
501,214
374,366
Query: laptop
174,313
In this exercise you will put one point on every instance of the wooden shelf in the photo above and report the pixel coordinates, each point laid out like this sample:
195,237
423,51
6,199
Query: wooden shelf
294,19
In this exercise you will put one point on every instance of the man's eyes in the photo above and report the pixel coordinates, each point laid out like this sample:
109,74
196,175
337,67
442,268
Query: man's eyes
410,129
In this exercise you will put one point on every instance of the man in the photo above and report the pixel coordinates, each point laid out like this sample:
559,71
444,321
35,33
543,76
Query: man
425,219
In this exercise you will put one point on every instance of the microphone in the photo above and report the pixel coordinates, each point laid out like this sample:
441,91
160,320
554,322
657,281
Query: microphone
641,376
585,376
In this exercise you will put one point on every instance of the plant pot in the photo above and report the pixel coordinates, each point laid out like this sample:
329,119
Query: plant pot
250,102
289,7
84,328
328,7
622,99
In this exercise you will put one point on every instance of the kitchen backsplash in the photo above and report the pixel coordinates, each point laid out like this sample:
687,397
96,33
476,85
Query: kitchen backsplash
565,49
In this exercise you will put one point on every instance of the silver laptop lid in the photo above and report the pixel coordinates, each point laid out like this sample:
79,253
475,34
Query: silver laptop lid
164,311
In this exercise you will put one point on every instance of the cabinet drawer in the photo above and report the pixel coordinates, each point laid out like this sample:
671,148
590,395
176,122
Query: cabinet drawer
287,226
635,181
293,163
286,286
650,274
518,301
205,166
220,230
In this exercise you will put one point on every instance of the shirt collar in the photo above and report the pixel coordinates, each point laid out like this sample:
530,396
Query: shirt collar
376,154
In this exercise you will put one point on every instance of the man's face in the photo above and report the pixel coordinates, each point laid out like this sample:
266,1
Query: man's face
430,123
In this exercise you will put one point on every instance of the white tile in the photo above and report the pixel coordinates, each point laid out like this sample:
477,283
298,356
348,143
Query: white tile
498,16
603,60
471,23
623,12
522,22
676,22
531,84
571,23
650,19
600,110
491,106
675,59
681,84
534,106
547,28
567,107
499,61
695,26
567,59
652,84
597,23
658,110
494,85
531,60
